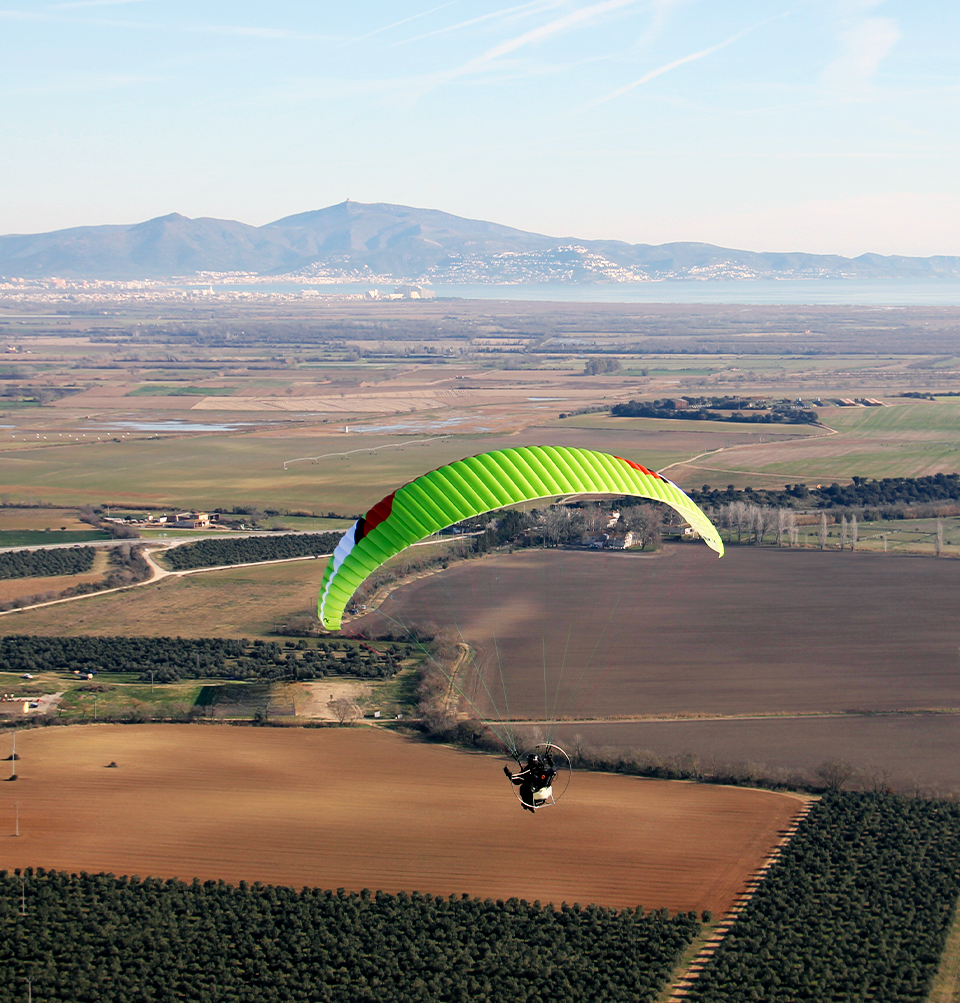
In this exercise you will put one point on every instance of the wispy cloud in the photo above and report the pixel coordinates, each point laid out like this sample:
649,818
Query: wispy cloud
674,64
576,18
406,20
660,70
864,43
493,58
504,14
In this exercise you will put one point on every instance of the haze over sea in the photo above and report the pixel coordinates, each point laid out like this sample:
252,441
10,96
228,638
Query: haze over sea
826,292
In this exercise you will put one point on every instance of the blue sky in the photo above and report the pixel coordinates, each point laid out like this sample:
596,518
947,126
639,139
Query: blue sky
816,125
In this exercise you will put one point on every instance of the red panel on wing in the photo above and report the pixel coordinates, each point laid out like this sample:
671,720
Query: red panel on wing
379,513
636,466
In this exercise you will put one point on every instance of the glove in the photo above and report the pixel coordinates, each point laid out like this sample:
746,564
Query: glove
506,770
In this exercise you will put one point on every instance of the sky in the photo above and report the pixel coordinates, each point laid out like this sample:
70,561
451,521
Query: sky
828,126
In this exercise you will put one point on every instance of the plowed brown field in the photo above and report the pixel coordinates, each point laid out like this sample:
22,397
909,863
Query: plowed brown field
906,752
600,638
359,808
760,631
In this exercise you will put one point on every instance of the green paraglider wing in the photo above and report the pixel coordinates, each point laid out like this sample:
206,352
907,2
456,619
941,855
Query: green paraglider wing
480,484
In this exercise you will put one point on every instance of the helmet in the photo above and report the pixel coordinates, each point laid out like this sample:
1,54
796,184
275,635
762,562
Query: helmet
533,759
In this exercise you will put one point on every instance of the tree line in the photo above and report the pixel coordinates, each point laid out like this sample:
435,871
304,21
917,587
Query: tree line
857,907
95,937
888,494
168,659
46,563
212,553
666,409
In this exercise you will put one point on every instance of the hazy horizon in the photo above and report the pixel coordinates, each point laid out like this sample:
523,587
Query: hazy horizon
814,126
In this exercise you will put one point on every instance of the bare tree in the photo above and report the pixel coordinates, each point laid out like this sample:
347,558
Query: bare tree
793,530
688,765
553,523
938,542
822,531
344,710
594,519
843,532
854,532
781,526
875,778
646,524
763,521
739,518
87,515
718,516
834,773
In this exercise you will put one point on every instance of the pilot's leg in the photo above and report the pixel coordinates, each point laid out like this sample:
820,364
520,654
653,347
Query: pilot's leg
526,797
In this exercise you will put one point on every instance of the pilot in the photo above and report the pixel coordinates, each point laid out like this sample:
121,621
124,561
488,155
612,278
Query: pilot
536,776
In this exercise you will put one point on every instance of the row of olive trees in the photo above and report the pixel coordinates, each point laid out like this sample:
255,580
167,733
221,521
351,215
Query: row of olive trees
857,907
85,937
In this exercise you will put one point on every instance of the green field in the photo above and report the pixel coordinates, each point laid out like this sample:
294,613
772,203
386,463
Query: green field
916,536
108,694
908,440
43,538
160,390
926,418
330,472
212,471
112,695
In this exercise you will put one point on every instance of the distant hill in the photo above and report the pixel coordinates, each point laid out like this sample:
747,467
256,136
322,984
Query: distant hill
356,241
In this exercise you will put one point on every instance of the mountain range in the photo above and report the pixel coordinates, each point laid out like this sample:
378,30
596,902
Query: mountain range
379,242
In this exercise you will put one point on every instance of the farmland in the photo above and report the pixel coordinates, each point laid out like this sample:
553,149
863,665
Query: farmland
884,442
764,664
762,631
774,657
351,474
298,807
15,588
756,646
133,412
327,942
244,602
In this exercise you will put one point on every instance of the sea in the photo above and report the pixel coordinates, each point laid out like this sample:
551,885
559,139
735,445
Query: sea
767,292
